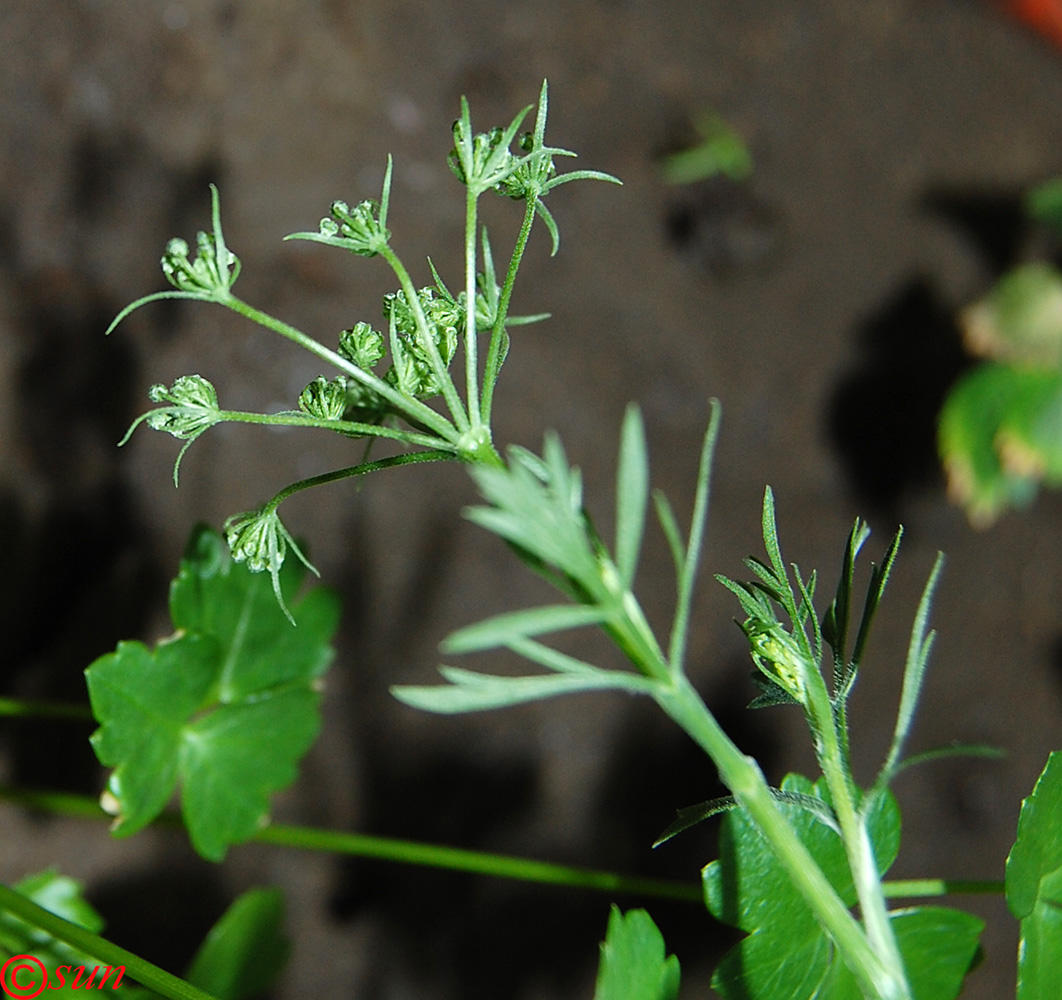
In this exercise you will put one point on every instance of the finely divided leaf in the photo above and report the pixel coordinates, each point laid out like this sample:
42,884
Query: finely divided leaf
634,965
224,710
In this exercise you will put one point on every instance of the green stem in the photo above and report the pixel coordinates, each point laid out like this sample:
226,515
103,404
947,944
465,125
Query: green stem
854,834
413,408
402,851
336,475
478,862
921,888
449,390
44,709
742,775
497,865
339,426
497,335
471,333
93,945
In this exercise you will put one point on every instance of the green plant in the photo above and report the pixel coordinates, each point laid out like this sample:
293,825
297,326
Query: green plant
226,706
1000,430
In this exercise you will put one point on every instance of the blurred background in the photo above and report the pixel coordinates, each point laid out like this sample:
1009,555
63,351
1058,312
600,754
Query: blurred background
891,142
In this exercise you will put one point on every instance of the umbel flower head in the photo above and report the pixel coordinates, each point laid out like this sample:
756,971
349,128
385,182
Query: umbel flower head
193,407
259,539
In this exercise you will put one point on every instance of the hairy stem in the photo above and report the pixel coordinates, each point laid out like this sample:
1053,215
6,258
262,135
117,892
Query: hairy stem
449,390
742,775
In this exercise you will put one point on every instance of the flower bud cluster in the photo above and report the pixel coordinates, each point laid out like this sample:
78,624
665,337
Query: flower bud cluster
411,371
359,229
259,539
211,273
193,407
323,399
492,161
362,345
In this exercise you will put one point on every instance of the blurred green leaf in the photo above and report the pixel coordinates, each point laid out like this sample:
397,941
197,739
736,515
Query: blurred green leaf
62,896
721,151
634,965
1020,319
225,708
632,494
246,950
1044,203
1034,886
1000,434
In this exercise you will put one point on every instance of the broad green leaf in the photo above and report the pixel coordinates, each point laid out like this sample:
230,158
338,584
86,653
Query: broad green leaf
1034,885
246,950
634,965
224,709
786,955
632,494
938,947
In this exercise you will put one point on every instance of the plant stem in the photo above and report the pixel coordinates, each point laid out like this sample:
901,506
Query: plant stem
350,427
742,775
497,865
471,333
920,888
91,944
449,390
359,470
413,408
44,709
403,851
860,853
497,335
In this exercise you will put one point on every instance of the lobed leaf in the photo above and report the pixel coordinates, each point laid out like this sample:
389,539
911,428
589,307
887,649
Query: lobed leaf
224,709
634,965
786,955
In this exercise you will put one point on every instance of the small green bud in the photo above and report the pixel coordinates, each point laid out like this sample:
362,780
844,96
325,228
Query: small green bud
259,539
491,158
443,315
324,399
778,657
358,229
362,345
215,267
193,407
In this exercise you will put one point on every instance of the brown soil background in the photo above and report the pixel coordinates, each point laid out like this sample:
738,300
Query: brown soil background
892,140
